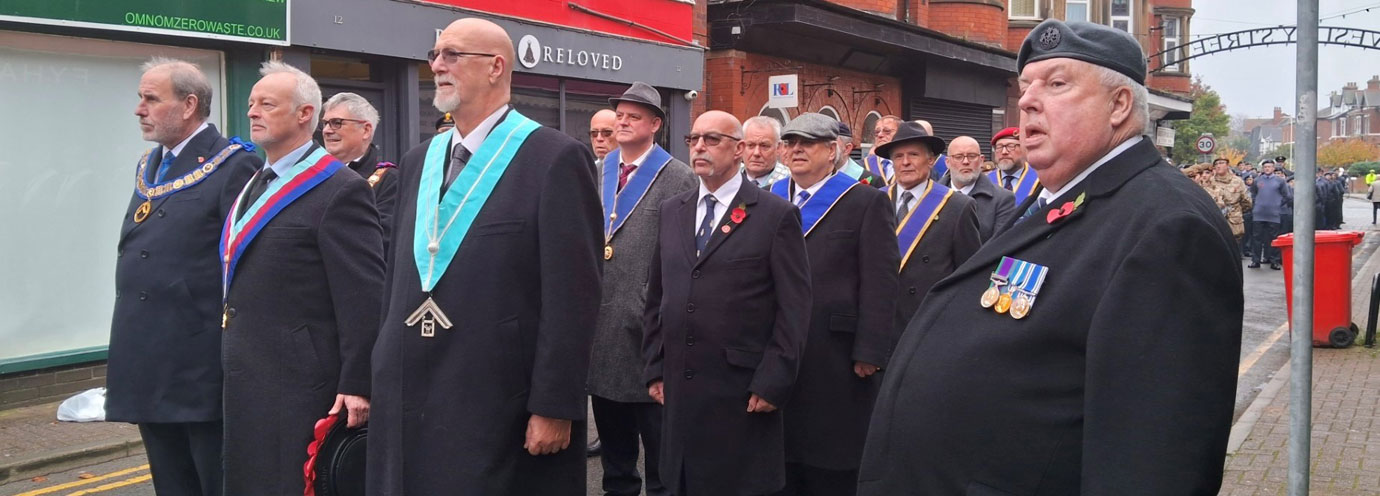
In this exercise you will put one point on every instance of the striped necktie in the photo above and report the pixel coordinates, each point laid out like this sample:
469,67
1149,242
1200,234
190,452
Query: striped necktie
1034,207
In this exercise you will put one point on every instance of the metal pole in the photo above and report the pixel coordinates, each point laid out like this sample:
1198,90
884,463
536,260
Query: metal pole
1305,171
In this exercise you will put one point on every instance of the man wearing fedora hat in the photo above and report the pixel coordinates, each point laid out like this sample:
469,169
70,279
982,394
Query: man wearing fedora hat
633,180
937,227
851,242
1092,347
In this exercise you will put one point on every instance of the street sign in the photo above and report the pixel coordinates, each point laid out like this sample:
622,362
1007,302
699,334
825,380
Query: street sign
1206,144
782,91
1164,136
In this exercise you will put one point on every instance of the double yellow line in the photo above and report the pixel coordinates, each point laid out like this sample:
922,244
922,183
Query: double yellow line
101,488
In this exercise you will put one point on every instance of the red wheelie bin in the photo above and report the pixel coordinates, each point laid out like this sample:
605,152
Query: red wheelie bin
1332,324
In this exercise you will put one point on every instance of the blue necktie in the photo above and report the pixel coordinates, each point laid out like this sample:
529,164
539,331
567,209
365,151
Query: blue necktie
1007,180
168,159
804,197
1039,204
706,225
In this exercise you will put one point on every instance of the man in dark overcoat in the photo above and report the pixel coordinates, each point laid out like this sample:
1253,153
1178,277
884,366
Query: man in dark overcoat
728,305
493,294
303,267
936,227
850,238
164,365
1106,361
348,122
634,179
995,206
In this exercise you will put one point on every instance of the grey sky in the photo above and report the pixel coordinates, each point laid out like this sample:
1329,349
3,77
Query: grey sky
1255,81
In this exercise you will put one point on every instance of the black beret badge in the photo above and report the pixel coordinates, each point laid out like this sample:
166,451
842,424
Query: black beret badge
1050,38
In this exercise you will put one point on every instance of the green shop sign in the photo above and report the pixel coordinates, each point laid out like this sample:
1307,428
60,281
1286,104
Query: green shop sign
256,21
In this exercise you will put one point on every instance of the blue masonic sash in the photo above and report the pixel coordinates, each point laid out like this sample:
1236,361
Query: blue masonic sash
912,229
1024,184
618,205
819,204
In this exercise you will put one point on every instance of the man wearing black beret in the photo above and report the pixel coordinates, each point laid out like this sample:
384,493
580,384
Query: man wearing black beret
1091,347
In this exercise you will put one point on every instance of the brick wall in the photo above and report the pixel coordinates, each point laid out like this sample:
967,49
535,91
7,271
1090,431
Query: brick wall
701,33
1015,36
1167,82
919,12
42,386
978,21
886,8
724,78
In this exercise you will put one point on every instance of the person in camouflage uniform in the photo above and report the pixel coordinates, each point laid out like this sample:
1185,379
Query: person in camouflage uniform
1231,195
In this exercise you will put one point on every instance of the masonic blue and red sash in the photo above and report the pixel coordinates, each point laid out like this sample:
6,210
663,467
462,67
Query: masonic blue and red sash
1025,184
618,205
819,204
240,230
912,228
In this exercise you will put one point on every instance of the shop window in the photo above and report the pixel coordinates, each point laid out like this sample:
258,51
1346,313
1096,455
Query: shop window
1076,10
71,148
538,98
1024,9
1170,60
1121,15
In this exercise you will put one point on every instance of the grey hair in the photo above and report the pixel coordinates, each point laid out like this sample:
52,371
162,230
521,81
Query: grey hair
357,105
763,120
306,92
1140,97
187,79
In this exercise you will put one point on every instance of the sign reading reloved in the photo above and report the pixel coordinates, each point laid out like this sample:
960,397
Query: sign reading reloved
531,53
254,21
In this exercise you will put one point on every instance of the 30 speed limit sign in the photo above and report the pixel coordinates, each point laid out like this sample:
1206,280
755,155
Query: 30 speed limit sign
1206,144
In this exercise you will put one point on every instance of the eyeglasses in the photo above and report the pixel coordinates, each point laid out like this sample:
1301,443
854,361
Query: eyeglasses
338,121
710,139
795,141
967,157
595,133
450,56
1008,147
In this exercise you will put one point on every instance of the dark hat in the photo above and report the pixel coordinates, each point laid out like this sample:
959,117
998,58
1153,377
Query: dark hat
641,93
910,131
445,120
1267,161
844,131
335,463
1281,159
811,125
1092,43
1010,132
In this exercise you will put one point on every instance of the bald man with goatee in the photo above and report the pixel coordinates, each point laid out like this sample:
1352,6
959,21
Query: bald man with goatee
492,294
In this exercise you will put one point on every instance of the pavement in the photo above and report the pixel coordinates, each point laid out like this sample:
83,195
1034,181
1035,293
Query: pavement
39,455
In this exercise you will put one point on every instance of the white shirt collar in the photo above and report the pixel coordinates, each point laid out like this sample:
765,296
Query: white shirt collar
285,163
637,161
177,150
917,192
968,190
476,137
1049,196
725,193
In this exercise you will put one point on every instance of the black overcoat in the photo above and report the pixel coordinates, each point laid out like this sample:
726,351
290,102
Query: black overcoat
996,206
1122,378
302,316
853,264
385,190
721,327
164,363
950,240
450,412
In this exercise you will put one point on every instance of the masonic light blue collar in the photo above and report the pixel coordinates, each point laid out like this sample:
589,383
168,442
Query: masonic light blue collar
442,221
618,205
819,204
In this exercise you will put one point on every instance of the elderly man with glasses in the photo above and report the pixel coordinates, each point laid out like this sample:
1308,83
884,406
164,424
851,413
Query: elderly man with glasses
995,206
347,131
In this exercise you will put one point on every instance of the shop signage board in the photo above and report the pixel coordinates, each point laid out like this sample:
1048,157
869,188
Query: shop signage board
253,21
783,91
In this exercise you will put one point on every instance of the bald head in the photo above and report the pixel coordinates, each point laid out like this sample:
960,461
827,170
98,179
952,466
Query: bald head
716,142
601,132
926,124
965,160
473,62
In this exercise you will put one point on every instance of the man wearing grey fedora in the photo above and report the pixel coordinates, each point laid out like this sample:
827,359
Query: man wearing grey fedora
633,180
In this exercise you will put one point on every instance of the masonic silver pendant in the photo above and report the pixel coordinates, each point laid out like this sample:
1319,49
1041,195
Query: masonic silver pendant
429,315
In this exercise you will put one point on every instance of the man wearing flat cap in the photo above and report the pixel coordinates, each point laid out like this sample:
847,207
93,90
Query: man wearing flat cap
633,180
851,242
1092,347
845,163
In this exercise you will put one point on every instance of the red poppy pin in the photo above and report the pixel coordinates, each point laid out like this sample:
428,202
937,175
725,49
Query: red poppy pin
738,214
866,180
1065,209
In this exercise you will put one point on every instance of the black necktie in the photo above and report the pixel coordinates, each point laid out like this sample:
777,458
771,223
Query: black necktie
905,206
459,156
257,189
706,224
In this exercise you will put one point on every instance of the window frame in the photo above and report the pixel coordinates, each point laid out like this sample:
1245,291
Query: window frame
1178,22
1034,14
1130,16
1087,10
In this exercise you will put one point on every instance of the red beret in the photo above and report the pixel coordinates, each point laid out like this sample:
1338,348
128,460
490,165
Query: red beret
1009,132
